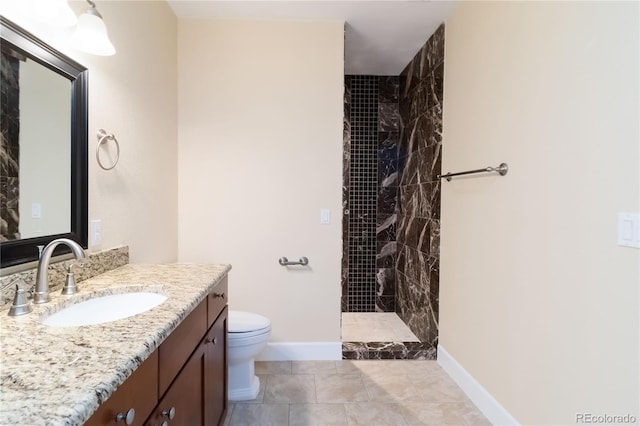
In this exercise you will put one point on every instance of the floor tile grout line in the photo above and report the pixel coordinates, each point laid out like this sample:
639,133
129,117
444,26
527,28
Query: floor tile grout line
288,414
366,388
315,388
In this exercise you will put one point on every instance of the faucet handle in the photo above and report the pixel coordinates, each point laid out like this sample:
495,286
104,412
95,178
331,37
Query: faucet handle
70,286
40,248
73,263
21,303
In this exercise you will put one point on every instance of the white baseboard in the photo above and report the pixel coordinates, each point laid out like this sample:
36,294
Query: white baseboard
486,403
301,351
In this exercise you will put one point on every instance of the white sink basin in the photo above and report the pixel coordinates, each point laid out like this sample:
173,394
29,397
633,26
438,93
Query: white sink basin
105,309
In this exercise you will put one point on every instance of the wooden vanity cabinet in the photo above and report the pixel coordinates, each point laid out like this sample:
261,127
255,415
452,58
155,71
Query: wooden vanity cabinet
190,384
198,395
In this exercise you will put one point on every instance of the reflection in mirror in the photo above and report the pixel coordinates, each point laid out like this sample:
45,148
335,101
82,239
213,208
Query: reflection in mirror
43,151
36,153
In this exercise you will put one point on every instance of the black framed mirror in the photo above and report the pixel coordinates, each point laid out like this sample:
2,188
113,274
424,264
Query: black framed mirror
44,151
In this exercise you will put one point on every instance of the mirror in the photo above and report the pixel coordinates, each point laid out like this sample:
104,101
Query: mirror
43,150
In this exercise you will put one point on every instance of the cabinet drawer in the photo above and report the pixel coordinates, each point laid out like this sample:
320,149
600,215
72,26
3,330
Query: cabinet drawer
138,392
216,301
177,348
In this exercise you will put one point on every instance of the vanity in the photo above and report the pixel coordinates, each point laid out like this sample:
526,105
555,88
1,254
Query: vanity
166,366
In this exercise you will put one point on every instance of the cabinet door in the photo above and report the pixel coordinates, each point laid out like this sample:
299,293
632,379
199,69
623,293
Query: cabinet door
176,349
138,393
215,371
183,405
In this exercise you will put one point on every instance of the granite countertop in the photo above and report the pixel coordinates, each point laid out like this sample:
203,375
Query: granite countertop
59,375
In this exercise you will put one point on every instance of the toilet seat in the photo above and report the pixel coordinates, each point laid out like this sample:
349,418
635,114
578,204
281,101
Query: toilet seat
247,334
246,324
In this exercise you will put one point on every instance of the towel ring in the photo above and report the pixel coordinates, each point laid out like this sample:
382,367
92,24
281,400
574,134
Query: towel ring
103,137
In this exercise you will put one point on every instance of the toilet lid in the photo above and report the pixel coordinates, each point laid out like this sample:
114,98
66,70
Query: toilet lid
242,322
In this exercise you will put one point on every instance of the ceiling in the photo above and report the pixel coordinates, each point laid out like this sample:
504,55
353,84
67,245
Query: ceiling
381,37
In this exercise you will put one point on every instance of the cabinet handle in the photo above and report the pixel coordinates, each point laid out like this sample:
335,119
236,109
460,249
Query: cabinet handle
214,340
171,413
218,295
128,417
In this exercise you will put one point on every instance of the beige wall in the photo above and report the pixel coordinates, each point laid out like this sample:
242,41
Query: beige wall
133,95
45,126
538,302
260,127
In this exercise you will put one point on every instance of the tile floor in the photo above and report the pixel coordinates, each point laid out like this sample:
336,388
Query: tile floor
375,327
371,393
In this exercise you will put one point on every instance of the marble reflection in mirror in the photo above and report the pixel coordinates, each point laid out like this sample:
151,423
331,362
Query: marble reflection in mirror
35,153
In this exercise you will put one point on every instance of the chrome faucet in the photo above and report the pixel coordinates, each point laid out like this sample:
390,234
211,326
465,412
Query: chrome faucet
41,294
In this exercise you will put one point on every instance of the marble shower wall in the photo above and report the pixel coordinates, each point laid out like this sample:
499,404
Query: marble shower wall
9,148
388,180
370,193
418,235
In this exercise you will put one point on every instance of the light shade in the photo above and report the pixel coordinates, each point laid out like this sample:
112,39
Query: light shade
55,12
91,35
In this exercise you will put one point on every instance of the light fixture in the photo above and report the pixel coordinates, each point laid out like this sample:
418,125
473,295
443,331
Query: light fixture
91,33
55,12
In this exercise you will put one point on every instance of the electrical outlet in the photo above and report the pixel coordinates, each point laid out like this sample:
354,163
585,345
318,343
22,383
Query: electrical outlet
629,229
325,216
95,232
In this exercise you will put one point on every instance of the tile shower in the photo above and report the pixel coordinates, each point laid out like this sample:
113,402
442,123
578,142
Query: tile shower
391,200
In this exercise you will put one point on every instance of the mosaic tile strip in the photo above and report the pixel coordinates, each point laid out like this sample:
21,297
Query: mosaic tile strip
362,193
370,193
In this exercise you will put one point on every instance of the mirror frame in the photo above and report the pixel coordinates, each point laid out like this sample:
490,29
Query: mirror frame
26,250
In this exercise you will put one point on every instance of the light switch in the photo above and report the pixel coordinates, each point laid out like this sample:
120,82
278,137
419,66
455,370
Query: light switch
629,230
36,210
325,216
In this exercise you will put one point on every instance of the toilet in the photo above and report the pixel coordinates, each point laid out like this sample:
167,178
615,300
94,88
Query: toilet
248,334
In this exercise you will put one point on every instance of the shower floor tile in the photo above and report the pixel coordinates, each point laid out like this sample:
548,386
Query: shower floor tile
375,327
